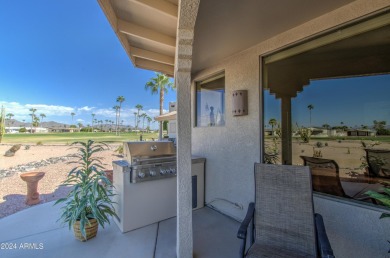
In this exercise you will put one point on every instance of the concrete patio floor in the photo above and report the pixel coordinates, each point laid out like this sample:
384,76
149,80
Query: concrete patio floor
34,232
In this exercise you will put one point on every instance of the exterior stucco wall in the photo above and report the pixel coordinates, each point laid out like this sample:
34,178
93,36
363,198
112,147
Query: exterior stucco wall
232,150
354,230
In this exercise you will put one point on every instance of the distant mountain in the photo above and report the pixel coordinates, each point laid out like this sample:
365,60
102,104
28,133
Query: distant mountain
16,123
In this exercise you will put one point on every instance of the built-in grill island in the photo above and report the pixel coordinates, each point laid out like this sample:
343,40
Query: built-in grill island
145,184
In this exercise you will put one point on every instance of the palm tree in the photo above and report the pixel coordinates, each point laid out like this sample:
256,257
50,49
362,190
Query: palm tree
139,107
32,110
149,120
116,118
119,99
9,115
143,116
72,114
310,107
93,118
135,120
272,122
326,126
101,125
42,115
160,84
80,125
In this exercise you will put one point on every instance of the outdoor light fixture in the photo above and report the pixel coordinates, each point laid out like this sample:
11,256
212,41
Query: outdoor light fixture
240,103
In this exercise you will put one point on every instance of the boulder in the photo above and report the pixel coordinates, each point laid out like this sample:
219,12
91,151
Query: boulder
11,152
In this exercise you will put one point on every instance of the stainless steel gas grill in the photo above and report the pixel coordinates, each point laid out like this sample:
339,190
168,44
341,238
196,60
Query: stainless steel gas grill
145,184
150,160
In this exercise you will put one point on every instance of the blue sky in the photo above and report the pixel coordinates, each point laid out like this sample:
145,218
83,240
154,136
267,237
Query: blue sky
63,56
354,101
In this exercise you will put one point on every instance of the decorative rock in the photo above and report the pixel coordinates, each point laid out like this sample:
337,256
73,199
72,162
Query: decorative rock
11,152
32,179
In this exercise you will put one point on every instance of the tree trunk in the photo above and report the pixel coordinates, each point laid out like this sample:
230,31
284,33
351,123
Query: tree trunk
161,112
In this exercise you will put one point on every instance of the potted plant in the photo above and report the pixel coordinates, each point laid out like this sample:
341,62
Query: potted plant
88,203
383,198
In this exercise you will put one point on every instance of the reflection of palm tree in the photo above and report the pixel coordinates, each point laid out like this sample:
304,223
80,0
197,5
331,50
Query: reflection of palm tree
160,84
310,107
272,122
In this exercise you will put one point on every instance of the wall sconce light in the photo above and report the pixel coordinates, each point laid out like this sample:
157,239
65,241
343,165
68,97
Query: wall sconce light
240,103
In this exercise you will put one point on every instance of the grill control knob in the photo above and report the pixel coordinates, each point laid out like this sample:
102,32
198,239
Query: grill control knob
141,174
152,173
173,170
163,171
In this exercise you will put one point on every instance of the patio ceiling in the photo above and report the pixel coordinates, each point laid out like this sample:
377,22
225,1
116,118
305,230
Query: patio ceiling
224,27
146,30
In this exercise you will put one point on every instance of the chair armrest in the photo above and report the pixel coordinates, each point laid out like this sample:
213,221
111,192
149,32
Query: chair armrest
244,228
245,223
325,250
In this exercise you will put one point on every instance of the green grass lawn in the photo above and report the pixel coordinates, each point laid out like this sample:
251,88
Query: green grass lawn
67,138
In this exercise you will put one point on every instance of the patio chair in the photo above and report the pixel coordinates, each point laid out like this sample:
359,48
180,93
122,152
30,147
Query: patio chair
283,221
325,175
378,162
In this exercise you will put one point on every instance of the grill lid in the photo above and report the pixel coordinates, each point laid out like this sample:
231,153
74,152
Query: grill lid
149,152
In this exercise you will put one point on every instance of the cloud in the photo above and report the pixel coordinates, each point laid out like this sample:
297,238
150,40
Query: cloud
86,108
23,110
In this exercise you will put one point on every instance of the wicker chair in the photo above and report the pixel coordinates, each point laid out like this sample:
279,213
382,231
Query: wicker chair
283,221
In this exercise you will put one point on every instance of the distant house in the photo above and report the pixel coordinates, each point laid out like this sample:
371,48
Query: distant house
15,129
63,130
361,132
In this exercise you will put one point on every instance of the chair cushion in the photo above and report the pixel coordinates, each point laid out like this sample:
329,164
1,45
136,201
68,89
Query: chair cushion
262,251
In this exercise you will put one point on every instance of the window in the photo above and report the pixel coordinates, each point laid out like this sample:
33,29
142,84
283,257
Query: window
327,107
210,101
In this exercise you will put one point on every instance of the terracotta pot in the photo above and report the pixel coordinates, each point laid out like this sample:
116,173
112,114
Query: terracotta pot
90,230
32,179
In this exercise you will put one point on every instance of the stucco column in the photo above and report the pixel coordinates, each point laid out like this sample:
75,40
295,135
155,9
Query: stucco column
184,241
188,10
286,130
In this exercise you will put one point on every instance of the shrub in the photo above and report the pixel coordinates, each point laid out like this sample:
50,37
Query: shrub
22,130
39,143
119,149
319,144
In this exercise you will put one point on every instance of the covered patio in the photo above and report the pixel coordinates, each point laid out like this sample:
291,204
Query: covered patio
35,233
198,42
219,45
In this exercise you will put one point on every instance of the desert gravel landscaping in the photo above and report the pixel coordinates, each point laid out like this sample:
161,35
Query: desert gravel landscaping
13,189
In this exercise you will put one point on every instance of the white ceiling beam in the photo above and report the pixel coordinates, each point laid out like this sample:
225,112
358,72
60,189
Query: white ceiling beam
154,66
145,33
152,56
162,6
